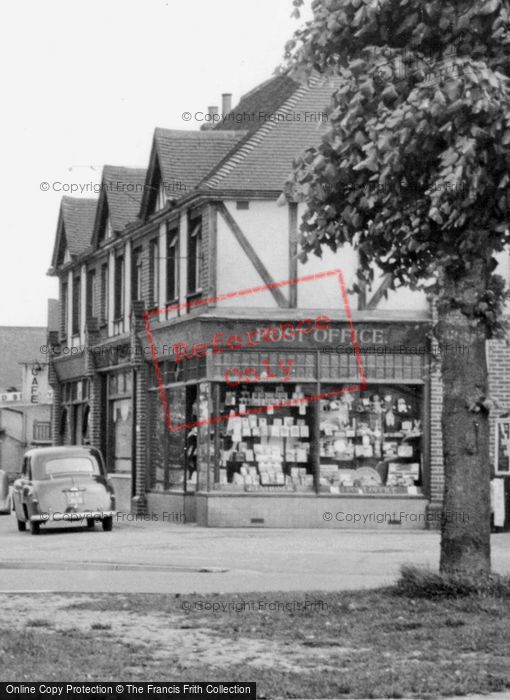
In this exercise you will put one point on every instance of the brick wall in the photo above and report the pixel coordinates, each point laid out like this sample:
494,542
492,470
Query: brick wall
498,360
140,385
56,413
436,479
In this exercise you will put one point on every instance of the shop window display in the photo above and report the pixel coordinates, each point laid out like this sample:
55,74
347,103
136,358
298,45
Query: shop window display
267,448
371,441
166,447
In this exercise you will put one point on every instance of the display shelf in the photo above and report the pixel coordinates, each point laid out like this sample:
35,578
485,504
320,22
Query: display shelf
371,440
267,448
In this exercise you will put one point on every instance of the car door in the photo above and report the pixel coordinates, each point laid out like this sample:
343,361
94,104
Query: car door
19,486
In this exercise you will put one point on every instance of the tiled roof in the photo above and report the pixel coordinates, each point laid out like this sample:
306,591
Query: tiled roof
18,343
265,98
78,216
264,159
185,157
123,188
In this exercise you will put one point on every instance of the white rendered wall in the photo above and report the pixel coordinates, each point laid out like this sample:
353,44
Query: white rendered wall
266,226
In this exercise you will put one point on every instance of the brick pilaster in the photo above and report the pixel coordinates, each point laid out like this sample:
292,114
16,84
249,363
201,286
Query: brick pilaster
96,418
140,396
436,475
56,412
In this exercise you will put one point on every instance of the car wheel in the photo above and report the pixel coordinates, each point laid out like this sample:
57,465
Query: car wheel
22,526
90,522
108,524
35,527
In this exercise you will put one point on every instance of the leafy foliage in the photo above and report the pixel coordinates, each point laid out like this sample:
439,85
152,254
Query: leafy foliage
414,167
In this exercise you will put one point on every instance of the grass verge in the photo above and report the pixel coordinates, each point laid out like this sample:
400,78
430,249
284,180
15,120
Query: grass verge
385,643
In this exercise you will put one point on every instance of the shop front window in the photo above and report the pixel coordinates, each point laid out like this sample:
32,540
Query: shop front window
167,449
235,367
74,422
371,441
122,435
120,421
63,428
86,425
265,446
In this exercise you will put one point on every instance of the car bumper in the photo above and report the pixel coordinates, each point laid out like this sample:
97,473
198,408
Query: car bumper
73,517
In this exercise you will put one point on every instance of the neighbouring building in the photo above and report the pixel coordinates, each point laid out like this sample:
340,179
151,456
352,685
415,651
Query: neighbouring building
179,379
26,396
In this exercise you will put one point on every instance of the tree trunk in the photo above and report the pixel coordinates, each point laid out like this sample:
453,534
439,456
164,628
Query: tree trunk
465,526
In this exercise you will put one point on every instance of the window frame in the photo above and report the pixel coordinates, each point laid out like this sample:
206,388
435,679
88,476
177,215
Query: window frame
64,309
119,288
154,271
136,274
195,245
172,264
91,292
105,306
76,306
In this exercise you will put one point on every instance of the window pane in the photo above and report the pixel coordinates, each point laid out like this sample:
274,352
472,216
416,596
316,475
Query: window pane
194,255
76,305
104,293
119,288
172,266
66,465
91,293
136,275
154,272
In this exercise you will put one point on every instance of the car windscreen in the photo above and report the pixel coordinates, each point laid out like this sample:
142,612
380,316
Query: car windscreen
60,466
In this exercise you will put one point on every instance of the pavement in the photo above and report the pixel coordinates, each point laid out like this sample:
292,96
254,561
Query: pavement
159,557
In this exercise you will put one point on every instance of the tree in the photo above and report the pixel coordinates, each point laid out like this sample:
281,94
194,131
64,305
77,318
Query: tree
414,172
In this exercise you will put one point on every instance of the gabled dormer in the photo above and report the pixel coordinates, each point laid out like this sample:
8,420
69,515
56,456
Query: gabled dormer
119,202
61,254
178,161
155,198
103,231
74,230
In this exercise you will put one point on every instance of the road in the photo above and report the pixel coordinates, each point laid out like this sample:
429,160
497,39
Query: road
157,557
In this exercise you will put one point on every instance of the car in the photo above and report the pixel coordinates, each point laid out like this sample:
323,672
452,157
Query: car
5,493
63,484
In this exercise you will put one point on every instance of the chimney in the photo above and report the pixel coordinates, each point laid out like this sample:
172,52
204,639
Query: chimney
226,102
211,119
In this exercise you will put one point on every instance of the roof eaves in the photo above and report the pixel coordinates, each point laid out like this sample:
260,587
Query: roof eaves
58,236
149,176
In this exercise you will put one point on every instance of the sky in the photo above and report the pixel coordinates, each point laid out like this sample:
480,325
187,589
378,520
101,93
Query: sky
86,83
